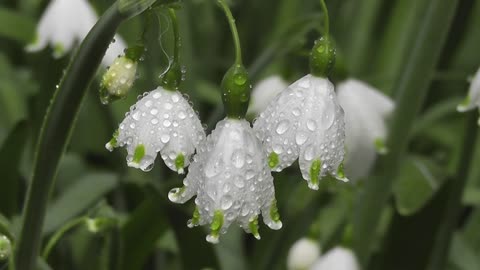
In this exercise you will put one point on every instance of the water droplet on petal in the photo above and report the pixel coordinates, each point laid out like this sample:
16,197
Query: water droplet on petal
300,138
165,138
311,125
282,127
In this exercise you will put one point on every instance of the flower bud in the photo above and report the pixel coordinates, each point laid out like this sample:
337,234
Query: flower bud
302,254
5,248
120,76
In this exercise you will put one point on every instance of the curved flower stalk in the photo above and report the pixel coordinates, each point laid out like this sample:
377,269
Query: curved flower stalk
232,182
161,121
264,92
302,254
66,22
338,258
473,98
366,112
306,122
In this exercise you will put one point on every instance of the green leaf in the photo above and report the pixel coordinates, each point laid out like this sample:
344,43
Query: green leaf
141,231
10,155
16,26
77,198
420,178
462,256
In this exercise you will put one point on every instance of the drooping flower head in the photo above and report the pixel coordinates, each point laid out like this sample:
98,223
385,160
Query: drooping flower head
305,122
232,181
366,112
302,254
66,22
161,121
264,92
338,258
473,98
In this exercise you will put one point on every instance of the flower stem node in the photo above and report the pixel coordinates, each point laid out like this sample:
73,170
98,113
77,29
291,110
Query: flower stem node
231,180
161,121
173,77
322,57
236,88
304,122
5,248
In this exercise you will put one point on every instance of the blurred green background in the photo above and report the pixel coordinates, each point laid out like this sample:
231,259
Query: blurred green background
375,40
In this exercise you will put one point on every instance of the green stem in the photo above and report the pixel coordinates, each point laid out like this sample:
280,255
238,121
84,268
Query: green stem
233,29
326,19
56,237
454,207
411,87
176,35
56,130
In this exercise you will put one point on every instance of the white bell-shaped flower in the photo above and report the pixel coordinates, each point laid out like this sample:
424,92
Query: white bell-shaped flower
338,258
232,182
263,92
366,112
66,22
303,254
473,98
306,122
161,121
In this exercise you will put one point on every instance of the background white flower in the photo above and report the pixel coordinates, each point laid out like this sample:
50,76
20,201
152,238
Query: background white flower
303,254
306,122
473,98
338,258
161,121
366,112
264,91
66,22
232,181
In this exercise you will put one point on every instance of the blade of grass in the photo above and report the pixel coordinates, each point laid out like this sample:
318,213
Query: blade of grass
411,89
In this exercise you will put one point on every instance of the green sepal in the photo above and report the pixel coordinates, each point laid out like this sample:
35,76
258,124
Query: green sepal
322,57
273,160
139,153
236,87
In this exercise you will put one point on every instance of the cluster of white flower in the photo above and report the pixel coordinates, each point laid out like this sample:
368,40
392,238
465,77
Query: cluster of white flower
230,172
305,255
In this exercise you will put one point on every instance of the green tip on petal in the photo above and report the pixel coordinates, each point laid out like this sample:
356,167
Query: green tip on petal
380,146
273,160
58,50
215,227
274,215
463,106
139,153
314,174
195,218
180,163
341,173
253,225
